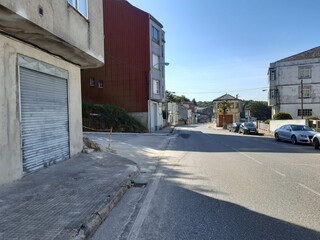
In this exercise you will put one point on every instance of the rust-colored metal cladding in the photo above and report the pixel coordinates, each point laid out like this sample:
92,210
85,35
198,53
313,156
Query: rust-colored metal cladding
123,80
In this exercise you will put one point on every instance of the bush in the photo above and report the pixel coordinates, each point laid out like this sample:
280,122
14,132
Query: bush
313,118
282,116
104,117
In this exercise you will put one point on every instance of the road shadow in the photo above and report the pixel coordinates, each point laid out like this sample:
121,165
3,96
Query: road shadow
225,141
197,216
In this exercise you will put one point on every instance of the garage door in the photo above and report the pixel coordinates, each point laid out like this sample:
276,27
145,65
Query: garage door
44,119
228,119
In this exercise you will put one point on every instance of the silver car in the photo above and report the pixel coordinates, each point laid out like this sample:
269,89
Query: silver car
294,133
316,141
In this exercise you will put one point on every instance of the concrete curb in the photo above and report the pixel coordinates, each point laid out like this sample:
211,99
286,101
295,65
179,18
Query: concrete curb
89,228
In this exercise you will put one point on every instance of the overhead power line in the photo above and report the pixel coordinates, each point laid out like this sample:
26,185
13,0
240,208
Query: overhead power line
225,91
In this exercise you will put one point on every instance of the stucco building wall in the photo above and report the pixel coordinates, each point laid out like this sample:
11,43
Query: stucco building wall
10,133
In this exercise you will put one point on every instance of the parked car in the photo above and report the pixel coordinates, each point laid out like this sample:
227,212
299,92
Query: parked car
294,133
248,128
234,127
316,140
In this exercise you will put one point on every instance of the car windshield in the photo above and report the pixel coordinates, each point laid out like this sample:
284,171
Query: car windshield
300,128
249,124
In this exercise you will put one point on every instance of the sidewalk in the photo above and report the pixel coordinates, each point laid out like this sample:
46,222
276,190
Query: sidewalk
67,200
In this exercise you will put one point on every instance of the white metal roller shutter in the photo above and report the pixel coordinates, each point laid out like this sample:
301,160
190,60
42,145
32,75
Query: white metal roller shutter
44,119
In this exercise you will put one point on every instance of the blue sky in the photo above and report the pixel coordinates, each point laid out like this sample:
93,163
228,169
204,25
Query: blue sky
225,46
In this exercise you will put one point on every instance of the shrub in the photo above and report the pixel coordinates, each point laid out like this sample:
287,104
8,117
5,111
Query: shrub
282,116
103,117
313,118
267,121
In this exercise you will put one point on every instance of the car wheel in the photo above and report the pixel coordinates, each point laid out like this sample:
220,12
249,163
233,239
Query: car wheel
293,139
276,136
316,143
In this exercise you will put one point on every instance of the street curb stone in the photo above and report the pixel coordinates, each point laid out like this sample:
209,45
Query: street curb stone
89,228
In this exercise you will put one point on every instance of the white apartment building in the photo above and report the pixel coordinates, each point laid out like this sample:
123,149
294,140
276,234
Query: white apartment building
294,84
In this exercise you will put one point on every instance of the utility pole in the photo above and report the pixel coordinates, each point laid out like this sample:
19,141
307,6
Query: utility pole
301,94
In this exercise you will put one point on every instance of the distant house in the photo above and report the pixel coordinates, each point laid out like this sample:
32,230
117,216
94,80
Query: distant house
205,114
184,114
293,77
43,46
187,113
172,113
232,114
133,77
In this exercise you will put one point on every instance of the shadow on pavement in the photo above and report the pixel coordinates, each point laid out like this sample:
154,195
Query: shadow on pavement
198,216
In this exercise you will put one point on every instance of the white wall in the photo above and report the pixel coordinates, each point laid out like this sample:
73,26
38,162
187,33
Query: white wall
274,124
10,136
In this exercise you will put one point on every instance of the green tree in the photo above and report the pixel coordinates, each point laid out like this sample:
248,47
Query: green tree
205,104
194,102
181,98
282,116
171,97
224,106
259,109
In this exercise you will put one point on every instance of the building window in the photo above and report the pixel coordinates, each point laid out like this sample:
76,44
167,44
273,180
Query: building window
272,94
306,92
92,82
305,72
155,35
100,84
81,6
156,86
155,61
273,76
306,112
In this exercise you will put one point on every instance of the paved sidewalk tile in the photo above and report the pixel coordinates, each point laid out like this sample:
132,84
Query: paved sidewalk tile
64,201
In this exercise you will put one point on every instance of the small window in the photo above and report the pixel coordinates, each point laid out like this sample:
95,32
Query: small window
306,92
273,75
155,61
156,86
306,112
272,94
81,6
100,84
155,34
305,72
92,82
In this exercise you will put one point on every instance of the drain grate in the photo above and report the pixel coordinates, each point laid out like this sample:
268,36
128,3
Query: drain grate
139,185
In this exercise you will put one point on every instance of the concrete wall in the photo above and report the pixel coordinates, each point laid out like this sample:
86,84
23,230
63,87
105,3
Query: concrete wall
10,135
60,30
142,117
274,124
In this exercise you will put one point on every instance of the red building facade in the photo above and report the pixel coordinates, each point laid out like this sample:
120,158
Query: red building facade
124,80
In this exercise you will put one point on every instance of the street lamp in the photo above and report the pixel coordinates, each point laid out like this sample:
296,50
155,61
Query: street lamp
301,92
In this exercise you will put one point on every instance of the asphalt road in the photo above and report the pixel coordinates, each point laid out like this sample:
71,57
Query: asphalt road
212,184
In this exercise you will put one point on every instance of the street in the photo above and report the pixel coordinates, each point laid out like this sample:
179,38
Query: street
204,183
